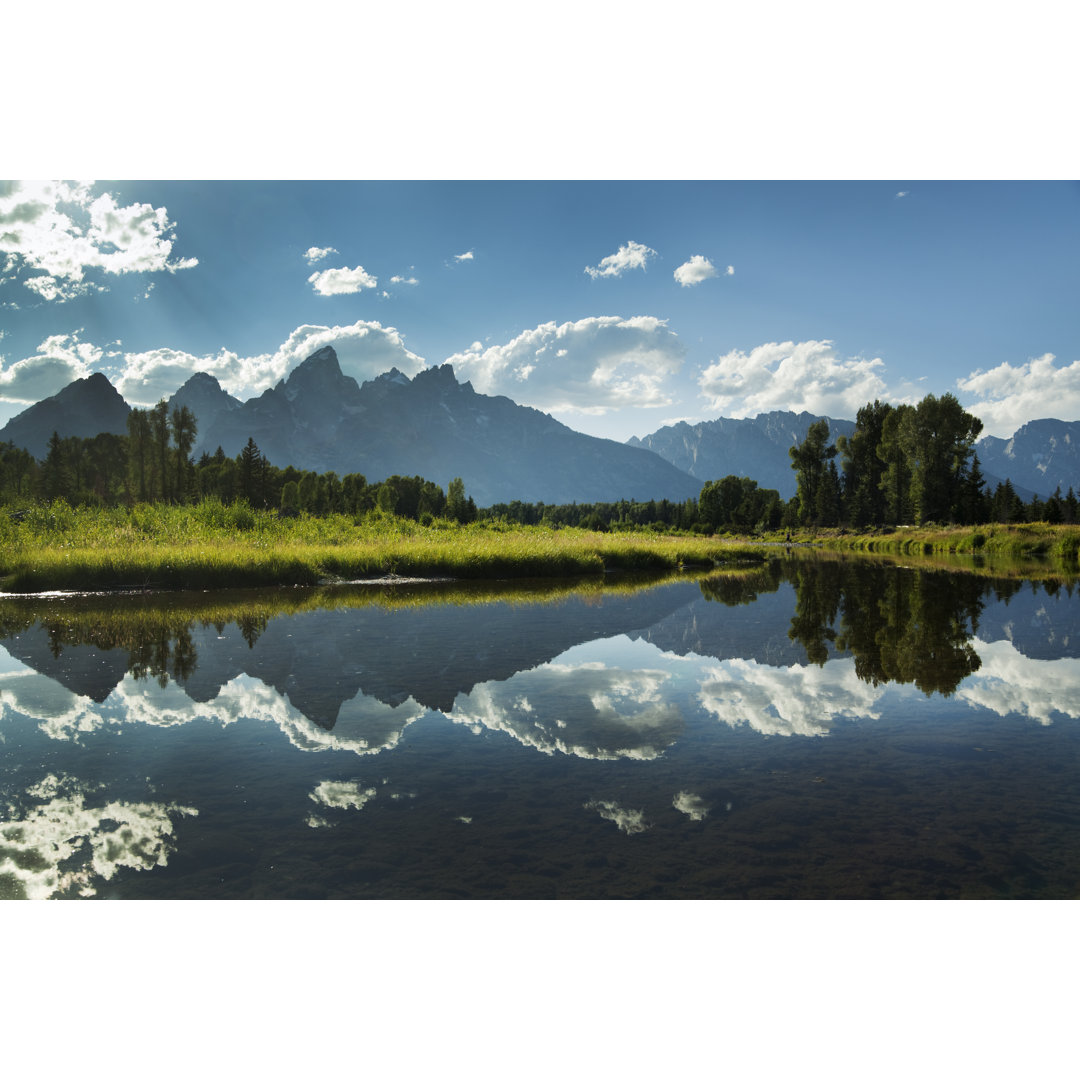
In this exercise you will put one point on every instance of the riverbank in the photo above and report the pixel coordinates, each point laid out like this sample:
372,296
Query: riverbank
214,547
1038,540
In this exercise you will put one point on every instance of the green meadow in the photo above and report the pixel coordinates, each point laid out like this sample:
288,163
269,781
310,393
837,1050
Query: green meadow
213,546
216,546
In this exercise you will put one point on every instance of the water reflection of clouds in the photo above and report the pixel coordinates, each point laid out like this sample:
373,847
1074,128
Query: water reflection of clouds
45,700
1009,683
584,709
693,806
364,725
792,700
338,795
628,821
61,845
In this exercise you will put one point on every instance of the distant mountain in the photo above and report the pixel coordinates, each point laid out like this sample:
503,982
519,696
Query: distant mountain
435,427
756,448
85,408
203,395
1041,456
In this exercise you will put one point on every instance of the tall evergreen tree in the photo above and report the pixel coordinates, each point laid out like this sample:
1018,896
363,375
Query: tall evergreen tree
184,430
810,461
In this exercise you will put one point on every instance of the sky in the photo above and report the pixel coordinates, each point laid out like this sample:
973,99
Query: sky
616,306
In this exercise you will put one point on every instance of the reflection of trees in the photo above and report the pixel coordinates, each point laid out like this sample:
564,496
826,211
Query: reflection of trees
168,652
818,588
742,586
900,625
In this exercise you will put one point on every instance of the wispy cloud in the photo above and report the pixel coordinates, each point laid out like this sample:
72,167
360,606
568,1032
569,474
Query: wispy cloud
55,233
696,270
397,279
902,194
1008,396
317,254
342,281
590,366
466,256
630,256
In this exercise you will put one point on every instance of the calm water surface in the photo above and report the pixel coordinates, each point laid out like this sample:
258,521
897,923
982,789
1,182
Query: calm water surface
807,729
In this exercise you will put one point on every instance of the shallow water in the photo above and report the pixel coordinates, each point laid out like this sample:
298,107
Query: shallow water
808,729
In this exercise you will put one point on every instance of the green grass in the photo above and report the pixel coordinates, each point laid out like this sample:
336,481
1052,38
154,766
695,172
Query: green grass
212,546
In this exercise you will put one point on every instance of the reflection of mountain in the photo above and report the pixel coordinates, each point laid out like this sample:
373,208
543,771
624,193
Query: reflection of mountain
323,658
1040,624
586,708
334,664
87,670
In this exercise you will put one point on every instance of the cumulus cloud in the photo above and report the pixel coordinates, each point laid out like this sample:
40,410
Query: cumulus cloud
695,270
795,700
590,366
1007,397
1009,683
57,232
364,349
59,360
464,257
630,256
317,254
805,376
342,281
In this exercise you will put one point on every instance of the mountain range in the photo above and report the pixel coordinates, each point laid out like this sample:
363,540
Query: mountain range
433,426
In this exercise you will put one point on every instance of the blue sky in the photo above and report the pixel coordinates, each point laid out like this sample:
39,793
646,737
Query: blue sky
616,306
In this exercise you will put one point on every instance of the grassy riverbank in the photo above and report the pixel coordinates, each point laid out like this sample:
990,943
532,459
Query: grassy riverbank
1037,540
211,546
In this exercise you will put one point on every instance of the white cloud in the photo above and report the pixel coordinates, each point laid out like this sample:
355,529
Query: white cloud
364,349
59,229
592,365
902,194
59,360
695,270
805,376
342,794
587,710
630,256
64,846
341,281
693,806
730,272
1007,397
795,700
464,257
628,821
397,279
1011,684
317,254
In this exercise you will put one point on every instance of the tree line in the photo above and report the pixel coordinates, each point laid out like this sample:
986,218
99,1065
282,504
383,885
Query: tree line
902,465
907,465
153,463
